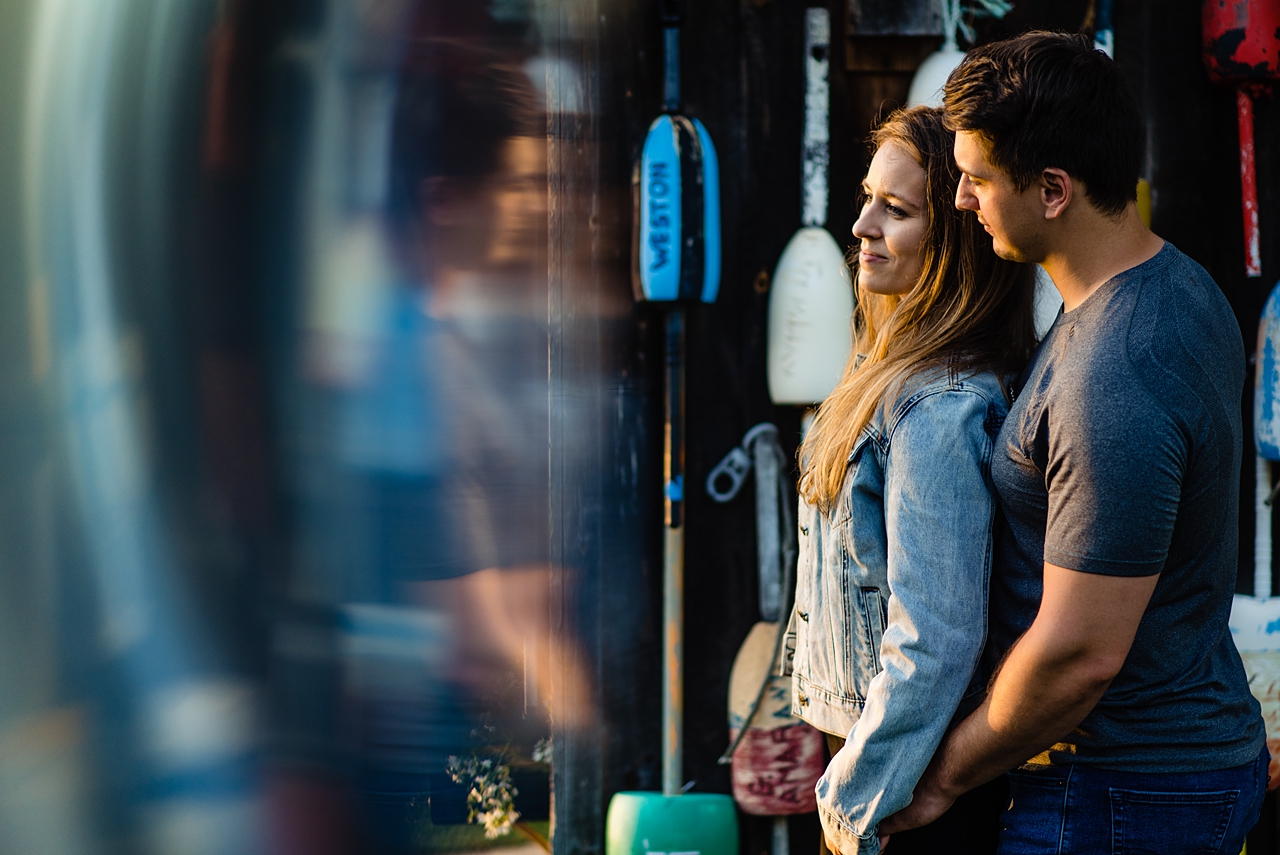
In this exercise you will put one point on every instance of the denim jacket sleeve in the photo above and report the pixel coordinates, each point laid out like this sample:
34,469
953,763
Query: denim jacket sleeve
939,510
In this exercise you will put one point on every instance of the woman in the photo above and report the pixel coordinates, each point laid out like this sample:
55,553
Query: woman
897,509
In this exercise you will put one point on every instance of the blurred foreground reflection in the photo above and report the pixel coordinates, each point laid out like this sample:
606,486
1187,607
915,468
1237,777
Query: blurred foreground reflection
274,509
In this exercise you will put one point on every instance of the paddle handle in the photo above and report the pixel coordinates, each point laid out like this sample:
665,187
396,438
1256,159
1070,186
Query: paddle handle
673,662
1262,529
673,559
817,106
1248,183
672,19
673,427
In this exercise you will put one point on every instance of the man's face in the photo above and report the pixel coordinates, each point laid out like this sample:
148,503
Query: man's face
1014,219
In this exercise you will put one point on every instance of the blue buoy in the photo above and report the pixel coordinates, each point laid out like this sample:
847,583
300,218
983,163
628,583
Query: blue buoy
678,222
1266,390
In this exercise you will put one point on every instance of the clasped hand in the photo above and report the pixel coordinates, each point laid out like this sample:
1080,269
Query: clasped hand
928,802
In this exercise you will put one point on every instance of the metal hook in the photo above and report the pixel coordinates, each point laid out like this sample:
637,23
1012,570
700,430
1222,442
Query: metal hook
736,464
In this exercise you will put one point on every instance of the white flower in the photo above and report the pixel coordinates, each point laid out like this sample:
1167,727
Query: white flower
490,801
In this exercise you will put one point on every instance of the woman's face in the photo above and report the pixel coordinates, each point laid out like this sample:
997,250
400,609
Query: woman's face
893,221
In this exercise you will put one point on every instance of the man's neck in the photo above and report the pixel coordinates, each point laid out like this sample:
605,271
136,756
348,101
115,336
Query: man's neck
1094,248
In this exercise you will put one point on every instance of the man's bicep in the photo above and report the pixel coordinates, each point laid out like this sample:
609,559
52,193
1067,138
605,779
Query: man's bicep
1093,615
1113,495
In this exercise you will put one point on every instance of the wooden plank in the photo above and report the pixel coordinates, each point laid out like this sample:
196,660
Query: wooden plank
895,18
895,54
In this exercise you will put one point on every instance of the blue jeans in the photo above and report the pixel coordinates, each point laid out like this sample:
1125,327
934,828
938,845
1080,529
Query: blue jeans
1083,810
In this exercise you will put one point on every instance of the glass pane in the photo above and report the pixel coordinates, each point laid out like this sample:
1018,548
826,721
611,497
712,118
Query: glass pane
275,564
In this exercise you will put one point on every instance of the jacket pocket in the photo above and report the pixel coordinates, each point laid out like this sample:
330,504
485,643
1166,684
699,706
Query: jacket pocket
874,619
863,618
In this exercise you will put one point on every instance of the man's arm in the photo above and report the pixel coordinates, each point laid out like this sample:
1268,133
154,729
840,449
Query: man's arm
1051,679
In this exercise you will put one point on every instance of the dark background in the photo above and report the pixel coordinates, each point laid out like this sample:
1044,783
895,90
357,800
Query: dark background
742,76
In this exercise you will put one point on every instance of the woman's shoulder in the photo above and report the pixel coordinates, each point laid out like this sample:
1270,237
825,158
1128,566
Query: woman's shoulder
950,396
984,383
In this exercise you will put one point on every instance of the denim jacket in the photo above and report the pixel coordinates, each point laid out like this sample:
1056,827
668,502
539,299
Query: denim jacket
891,597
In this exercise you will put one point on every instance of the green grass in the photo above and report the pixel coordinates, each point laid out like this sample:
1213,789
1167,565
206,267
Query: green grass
470,838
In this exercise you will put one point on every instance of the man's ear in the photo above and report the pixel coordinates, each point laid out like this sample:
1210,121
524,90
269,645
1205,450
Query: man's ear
1056,190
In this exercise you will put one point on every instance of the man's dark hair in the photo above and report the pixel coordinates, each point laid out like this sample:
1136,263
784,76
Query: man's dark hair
1045,99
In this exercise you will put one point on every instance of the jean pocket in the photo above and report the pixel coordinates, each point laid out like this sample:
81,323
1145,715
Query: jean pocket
1147,823
1032,824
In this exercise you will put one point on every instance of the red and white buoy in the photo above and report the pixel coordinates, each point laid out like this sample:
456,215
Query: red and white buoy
1241,45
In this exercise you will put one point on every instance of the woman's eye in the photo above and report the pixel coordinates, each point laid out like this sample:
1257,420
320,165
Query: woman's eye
895,211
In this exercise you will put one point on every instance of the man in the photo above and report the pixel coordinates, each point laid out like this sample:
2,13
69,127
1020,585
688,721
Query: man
1118,695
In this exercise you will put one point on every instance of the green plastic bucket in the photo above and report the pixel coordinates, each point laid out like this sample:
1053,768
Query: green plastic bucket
653,824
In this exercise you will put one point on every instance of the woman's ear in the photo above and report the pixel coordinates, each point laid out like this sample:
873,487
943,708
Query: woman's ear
1056,190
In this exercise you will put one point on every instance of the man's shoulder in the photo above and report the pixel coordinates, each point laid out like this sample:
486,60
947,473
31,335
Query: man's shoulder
1182,275
1175,287
1162,322
1163,351
1183,332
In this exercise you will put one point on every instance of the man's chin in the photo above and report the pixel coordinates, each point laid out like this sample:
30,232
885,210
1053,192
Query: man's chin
1008,253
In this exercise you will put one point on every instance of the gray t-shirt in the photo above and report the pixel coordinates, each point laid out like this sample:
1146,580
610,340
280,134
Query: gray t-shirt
1121,456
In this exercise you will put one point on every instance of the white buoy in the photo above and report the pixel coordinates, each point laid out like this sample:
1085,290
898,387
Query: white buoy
811,298
931,76
810,311
1048,303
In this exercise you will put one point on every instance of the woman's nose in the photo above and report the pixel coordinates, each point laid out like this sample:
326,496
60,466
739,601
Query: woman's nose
865,227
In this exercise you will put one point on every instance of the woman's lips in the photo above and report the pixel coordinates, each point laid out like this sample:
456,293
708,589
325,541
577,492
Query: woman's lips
865,257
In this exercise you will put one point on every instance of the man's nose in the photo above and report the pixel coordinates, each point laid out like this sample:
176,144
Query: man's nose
965,200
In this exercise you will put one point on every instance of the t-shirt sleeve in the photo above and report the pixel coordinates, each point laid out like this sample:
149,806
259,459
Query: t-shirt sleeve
1114,478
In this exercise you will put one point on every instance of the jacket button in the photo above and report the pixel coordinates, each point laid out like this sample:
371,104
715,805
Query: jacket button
803,615
804,529
804,701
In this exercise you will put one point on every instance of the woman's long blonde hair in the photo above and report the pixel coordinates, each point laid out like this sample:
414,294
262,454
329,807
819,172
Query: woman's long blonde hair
970,310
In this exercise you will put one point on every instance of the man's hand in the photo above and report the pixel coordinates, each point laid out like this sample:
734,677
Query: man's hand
838,841
928,802
1053,676
835,849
